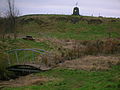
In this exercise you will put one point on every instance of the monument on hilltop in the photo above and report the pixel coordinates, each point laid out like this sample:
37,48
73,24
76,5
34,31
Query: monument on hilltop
76,10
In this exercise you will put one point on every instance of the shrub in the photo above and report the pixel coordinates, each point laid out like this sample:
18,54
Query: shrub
3,72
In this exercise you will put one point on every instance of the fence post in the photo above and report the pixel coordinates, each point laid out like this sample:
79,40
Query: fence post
16,56
24,57
8,59
33,56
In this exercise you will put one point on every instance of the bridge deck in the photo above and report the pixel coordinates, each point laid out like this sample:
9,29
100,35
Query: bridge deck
41,67
28,68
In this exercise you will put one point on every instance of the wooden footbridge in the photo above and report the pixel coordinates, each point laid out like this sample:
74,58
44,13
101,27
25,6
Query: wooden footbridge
26,60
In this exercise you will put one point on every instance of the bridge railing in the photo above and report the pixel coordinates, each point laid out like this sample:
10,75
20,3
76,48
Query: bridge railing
22,56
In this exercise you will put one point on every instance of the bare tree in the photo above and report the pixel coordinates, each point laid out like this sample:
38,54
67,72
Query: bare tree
1,26
11,16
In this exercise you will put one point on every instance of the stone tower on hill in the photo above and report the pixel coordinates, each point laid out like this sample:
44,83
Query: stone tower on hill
76,10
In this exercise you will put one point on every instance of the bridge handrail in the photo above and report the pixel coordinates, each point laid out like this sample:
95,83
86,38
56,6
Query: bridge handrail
33,49
40,51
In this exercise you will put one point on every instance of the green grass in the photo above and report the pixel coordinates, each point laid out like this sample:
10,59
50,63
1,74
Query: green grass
67,79
21,44
32,44
78,80
67,30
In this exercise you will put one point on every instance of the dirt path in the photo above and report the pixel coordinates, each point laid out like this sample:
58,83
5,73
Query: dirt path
25,81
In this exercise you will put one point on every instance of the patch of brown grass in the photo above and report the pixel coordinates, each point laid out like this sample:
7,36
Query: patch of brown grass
92,63
73,49
106,46
26,81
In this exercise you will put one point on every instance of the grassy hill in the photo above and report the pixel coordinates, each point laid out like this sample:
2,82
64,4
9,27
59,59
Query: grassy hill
69,39
69,27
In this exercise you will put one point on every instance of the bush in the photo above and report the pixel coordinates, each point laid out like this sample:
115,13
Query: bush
4,74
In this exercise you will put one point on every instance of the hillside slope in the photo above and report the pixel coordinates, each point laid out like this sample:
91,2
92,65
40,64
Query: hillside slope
69,27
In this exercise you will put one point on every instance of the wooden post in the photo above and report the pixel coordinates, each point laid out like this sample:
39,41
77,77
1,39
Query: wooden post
24,57
33,56
16,56
8,59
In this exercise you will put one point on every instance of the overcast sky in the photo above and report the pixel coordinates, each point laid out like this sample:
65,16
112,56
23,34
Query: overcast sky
107,8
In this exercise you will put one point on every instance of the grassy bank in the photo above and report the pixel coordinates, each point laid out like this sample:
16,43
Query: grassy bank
66,79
